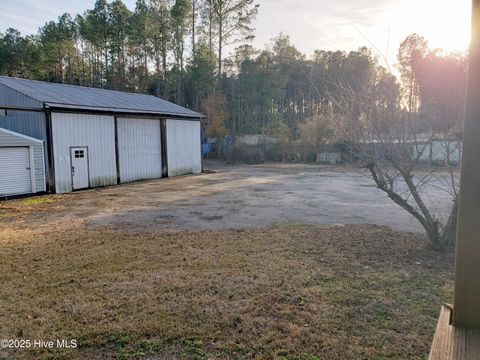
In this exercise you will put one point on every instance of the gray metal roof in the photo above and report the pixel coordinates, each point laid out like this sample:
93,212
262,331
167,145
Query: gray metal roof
63,96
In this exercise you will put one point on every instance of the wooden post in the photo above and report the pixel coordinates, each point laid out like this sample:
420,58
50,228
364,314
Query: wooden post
466,311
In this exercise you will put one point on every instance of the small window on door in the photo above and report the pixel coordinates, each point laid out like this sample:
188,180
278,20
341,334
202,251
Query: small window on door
79,154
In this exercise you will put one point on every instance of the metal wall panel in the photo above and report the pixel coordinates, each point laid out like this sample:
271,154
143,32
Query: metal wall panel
39,168
25,122
442,151
183,147
424,149
97,132
10,139
139,149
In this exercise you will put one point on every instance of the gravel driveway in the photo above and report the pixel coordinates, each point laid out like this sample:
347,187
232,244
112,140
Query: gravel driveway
238,197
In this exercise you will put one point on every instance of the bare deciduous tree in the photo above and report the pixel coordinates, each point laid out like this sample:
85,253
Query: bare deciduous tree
408,139
410,167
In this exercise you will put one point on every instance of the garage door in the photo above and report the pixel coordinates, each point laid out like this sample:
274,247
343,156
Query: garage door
15,172
139,149
183,147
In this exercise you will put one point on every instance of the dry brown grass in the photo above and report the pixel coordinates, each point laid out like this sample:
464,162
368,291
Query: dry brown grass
287,292
25,206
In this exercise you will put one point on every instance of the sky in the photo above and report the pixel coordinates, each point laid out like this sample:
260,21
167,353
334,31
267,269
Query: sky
311,24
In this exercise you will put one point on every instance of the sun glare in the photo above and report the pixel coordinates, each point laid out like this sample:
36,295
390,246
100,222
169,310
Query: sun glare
444,23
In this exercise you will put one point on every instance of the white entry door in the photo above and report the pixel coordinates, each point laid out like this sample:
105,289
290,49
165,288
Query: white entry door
79,161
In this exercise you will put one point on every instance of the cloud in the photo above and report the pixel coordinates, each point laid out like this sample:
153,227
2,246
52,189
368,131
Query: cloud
327,24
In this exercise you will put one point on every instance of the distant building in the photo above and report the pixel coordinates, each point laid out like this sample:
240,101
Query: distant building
427,148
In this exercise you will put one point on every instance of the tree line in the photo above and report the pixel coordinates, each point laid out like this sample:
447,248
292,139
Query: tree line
177,50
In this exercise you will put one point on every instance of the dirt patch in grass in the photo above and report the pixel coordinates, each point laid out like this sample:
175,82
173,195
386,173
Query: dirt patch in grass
286,292
19,208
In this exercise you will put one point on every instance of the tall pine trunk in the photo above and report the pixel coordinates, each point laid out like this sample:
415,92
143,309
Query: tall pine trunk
220,45
194,2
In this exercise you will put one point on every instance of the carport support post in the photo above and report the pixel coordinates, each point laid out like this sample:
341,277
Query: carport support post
466,312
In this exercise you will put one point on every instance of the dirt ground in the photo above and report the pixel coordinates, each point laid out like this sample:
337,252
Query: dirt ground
228,265
237,197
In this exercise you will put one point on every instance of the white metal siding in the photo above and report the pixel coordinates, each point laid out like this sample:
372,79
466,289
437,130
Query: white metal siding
426,148
97,132
438,151
39,158
15,173
139,149
183,147
442,151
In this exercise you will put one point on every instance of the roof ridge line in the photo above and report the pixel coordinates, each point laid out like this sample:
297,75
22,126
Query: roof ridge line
80,86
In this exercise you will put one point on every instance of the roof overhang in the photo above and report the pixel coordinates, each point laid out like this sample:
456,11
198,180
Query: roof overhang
120,111
13,133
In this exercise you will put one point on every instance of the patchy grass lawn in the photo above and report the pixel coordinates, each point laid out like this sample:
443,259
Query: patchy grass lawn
287,292
25,206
